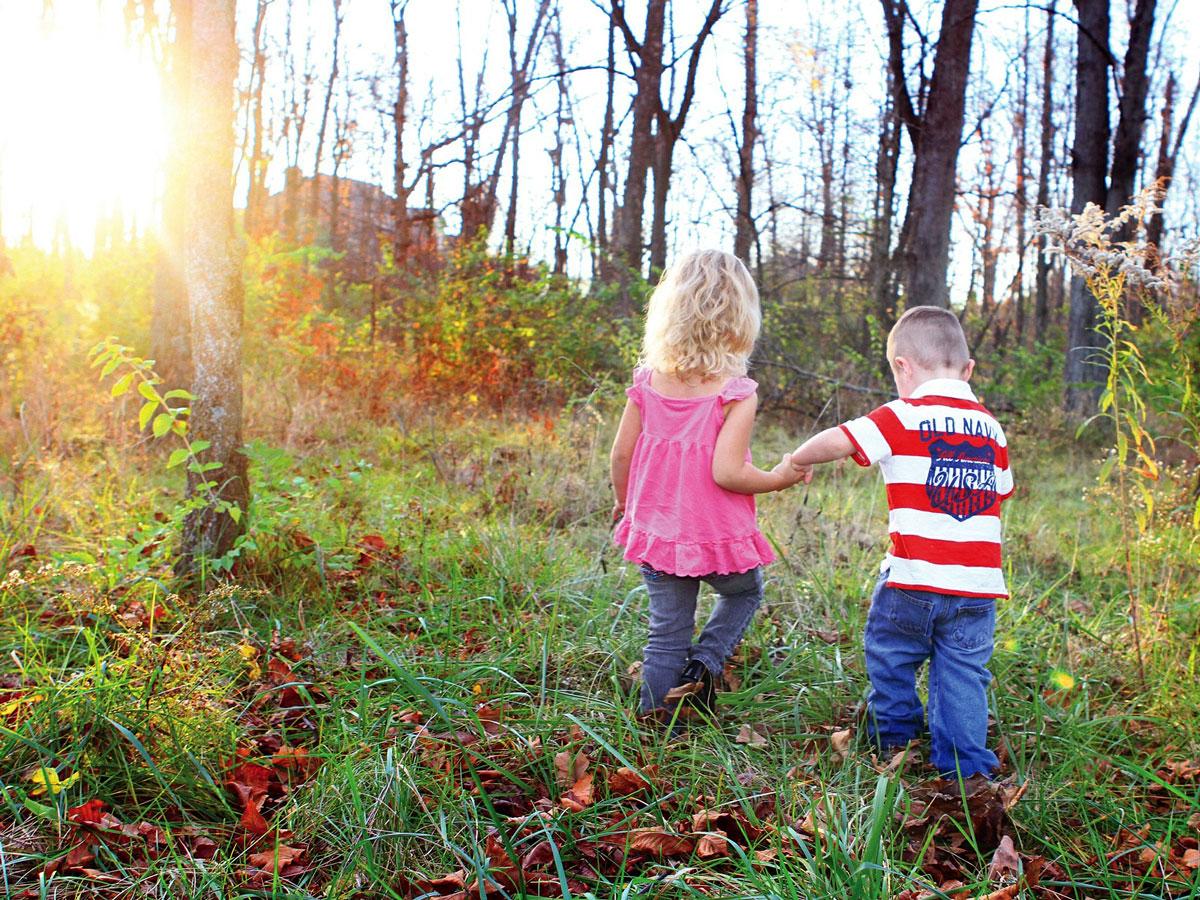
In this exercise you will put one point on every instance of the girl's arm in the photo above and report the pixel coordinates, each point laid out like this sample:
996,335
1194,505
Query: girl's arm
730,469
831,444
622,454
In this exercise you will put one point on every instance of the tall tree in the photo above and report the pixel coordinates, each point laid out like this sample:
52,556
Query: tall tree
668,129
1046,133
213,276
600,263
744,235
314,204
936,138
1168,153
1084,372
256,196
647,58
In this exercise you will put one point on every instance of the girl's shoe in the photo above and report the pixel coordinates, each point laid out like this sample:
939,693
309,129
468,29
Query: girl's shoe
697,689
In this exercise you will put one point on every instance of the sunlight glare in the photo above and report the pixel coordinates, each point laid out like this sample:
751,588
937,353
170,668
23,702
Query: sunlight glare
83,134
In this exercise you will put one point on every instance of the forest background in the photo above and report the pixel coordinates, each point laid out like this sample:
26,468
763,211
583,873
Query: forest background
313,322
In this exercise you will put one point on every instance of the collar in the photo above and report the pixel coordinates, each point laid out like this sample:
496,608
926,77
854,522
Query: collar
954,388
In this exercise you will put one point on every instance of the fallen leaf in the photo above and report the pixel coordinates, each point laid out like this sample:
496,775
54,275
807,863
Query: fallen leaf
579,797
47,779
660,842
89,813
625,782
277,859
684,690
569,767
1191,859
710,846
840,742
750,737
1005,862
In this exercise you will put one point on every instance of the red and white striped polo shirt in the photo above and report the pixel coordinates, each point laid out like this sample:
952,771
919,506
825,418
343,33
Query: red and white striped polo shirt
944,460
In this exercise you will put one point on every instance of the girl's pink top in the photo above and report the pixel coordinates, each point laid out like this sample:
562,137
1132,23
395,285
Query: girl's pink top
677,519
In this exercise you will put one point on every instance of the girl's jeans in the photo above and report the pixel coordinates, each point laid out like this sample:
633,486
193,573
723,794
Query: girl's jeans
905,628
673,620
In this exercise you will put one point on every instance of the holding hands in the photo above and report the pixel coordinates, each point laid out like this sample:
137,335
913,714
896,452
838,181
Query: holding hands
790,471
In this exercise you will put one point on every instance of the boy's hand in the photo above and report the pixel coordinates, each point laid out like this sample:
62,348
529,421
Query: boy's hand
789,473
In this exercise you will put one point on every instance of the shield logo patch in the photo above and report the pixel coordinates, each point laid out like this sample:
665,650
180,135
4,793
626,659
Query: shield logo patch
962,478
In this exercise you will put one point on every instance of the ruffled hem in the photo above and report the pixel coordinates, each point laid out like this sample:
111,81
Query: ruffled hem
694,559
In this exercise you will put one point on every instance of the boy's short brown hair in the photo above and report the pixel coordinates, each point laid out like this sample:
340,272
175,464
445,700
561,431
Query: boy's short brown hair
931,337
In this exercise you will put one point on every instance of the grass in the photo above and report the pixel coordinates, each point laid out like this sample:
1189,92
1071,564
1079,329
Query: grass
428,618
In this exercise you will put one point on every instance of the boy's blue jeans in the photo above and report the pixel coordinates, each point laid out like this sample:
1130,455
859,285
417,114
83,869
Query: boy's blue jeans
673,621
904,629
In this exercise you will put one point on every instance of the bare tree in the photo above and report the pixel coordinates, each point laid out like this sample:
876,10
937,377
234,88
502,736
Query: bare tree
1084,373
1042,284
257,170
600,265
744,226
936,138
1168,153
558,178
314,207
213,275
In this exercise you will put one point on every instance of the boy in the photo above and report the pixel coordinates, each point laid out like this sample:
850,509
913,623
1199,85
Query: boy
944,460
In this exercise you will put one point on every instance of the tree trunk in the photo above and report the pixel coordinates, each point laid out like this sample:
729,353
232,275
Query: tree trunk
214,287
1083,372
667,135
600,264
744,226
256,196
401,226
1168,154
558,173
1042,304
1022,200
881,277
170,334
627,222
314,206
926,250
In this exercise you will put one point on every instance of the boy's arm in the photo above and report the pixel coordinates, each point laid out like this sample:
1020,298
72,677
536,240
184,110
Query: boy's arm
730,469
831,444
622,455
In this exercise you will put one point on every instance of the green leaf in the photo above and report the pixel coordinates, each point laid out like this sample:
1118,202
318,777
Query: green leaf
199,446
110,367
162,424
147,390
235,512
177,457
178,394
146,412
122,384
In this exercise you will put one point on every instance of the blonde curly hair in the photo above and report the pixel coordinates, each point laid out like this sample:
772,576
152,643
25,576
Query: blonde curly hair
703,318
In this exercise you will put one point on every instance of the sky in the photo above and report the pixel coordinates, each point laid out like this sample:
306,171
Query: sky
82,133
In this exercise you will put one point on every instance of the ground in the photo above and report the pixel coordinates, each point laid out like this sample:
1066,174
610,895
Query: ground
421,681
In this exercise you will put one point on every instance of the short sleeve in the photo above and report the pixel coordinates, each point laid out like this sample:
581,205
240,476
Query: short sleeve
874,435
641,376
1004,478
738,389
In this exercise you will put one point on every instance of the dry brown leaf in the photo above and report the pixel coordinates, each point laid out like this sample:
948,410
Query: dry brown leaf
570,767
1005,862
579,797
840,742
710,846
277,859
660,842
684,690
625,782
748,736
1191,859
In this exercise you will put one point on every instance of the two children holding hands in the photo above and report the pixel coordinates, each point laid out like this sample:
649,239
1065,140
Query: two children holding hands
685,485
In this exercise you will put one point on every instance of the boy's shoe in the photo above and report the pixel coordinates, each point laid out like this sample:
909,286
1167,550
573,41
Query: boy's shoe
697,690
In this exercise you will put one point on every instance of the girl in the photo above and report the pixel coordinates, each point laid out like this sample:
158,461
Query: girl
682,473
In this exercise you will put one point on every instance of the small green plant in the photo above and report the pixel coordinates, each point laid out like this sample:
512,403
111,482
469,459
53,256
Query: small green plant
165,413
